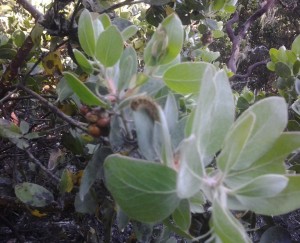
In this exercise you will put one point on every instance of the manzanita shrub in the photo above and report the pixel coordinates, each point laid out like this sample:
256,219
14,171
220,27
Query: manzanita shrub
190,157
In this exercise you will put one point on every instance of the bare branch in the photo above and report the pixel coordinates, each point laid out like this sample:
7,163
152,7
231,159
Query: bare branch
249,70
237,39
12,70
37,162
31,9
229,24
269,4
53,108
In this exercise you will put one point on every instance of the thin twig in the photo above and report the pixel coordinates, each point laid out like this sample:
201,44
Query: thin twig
7,96
26,97
37,162
53,108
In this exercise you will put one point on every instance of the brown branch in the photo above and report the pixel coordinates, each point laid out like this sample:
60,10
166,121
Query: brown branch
237,39
249,70
11,71
119,5
229,24
269,4
31,9
53,108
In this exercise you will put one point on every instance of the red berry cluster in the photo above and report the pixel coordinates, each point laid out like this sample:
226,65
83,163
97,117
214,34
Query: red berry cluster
99,120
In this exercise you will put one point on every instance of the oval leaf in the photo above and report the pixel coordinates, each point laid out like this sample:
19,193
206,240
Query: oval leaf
238,135
263,186
282,70
225,226
271,119
218,4
214,114
284,202
86,33
144,190
128,67
191,169
185,78
109,46
182,215
34,195
129,32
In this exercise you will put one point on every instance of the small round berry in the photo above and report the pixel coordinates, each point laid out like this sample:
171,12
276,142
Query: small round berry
91,117
94,130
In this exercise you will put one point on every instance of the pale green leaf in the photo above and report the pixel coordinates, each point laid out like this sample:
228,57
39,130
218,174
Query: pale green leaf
171,112
271,119
263,186
286,201
167,153
88,205
282,57
63,90
271,162
212,23
129,32
186,78
172,40
144,126
128,67
182,215
109,46
105,20
271,66
296,46
191,169
197,202
98,28
12,132
93,171
273,55
209,56
226,227
235,142
162,68
145,191
34,195
86,33
218,34
214,114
